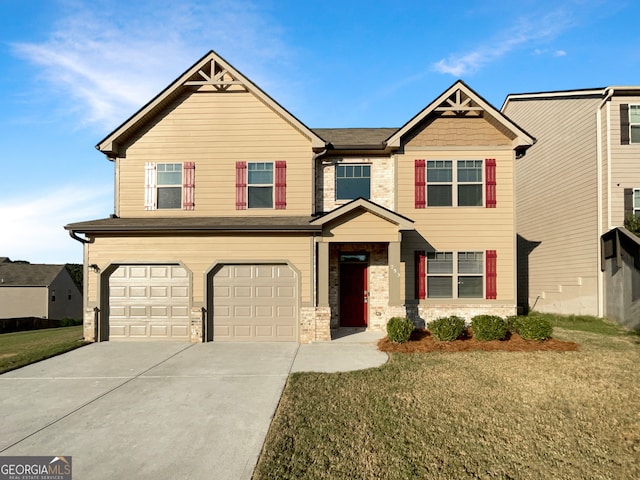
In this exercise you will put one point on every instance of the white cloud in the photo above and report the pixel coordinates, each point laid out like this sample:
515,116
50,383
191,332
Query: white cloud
35,225
110,60
559,53
527,30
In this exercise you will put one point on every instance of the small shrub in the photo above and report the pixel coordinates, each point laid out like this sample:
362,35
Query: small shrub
512,323
447,329
70,322
632,223
534,328
399,329
488,327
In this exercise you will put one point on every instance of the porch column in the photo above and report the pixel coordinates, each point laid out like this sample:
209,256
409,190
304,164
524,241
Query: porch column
394,273
323,274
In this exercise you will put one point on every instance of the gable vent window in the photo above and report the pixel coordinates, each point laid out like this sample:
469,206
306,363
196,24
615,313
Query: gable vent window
353,181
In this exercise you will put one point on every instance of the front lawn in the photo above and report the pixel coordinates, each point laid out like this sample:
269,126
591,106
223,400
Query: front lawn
22,348
521,415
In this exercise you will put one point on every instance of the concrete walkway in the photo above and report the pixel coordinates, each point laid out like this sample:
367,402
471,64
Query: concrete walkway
155,410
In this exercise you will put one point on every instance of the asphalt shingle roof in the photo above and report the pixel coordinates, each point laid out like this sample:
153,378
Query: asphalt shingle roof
28,274
354,136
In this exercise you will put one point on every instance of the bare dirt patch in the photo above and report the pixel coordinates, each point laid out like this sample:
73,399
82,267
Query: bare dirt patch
422,341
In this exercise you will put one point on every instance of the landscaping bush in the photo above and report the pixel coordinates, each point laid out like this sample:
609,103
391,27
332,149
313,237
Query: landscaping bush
399,329
488,327
70,322
534,328
512,323
447,329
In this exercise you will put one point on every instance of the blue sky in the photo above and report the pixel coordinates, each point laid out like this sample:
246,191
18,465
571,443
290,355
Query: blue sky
71,71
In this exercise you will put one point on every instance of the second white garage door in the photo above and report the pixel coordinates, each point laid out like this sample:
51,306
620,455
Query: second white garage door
255,303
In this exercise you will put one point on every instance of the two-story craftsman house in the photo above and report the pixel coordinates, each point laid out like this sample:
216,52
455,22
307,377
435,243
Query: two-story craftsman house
235,221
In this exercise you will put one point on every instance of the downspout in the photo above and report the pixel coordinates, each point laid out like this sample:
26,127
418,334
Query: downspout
599,191
314,200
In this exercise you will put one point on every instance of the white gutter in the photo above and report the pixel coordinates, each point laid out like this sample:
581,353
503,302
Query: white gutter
599,189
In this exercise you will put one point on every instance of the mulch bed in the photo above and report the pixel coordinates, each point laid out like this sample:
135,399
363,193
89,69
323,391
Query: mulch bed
422,341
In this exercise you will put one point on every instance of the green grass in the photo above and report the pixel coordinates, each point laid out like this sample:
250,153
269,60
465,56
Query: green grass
583,323
22,348
538,415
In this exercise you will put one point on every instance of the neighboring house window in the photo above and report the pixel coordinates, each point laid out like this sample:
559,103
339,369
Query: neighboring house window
53,295
636,202
456,274
169,186
353,181
629,124
458,183
261,185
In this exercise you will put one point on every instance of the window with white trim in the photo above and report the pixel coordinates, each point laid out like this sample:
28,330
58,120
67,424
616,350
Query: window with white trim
450,187
464,270
634,123
636,202
260,184
353,181
169,185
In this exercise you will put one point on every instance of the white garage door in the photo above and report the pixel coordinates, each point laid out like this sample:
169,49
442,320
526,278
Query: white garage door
255,303
149,302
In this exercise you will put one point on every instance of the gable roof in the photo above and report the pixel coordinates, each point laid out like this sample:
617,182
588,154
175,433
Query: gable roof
355,138
28,274
210,70
451,100
578,94
401,221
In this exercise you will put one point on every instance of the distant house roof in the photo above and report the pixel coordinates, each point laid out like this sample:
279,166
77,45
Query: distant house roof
28,274
5,260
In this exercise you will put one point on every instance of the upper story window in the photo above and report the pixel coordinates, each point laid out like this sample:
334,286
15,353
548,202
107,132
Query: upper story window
450,183
169,194
169,186
353,181
634,123
636,202
260,185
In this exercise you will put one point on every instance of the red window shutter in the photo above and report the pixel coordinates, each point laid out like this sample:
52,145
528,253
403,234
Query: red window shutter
490,182
491,274
241,185
281,185
421,274
188,191
420,185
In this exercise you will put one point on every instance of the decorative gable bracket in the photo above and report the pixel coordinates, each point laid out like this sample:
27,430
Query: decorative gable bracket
218,77
459,104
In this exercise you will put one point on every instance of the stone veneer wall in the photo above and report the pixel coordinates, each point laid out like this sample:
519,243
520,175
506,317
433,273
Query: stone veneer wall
314,324
424,314
378,280
382,181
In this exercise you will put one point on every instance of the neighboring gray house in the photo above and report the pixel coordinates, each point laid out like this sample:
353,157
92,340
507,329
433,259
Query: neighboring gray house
577,182
38,290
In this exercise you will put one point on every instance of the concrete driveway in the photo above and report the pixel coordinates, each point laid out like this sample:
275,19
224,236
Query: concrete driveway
157,410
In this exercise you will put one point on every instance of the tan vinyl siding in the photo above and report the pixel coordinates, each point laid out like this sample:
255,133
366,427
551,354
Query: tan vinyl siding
459,229
361,227
199,253
625,162
456,131
215,130
556,185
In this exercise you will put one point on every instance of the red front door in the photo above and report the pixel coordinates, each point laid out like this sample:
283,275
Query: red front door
353,295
